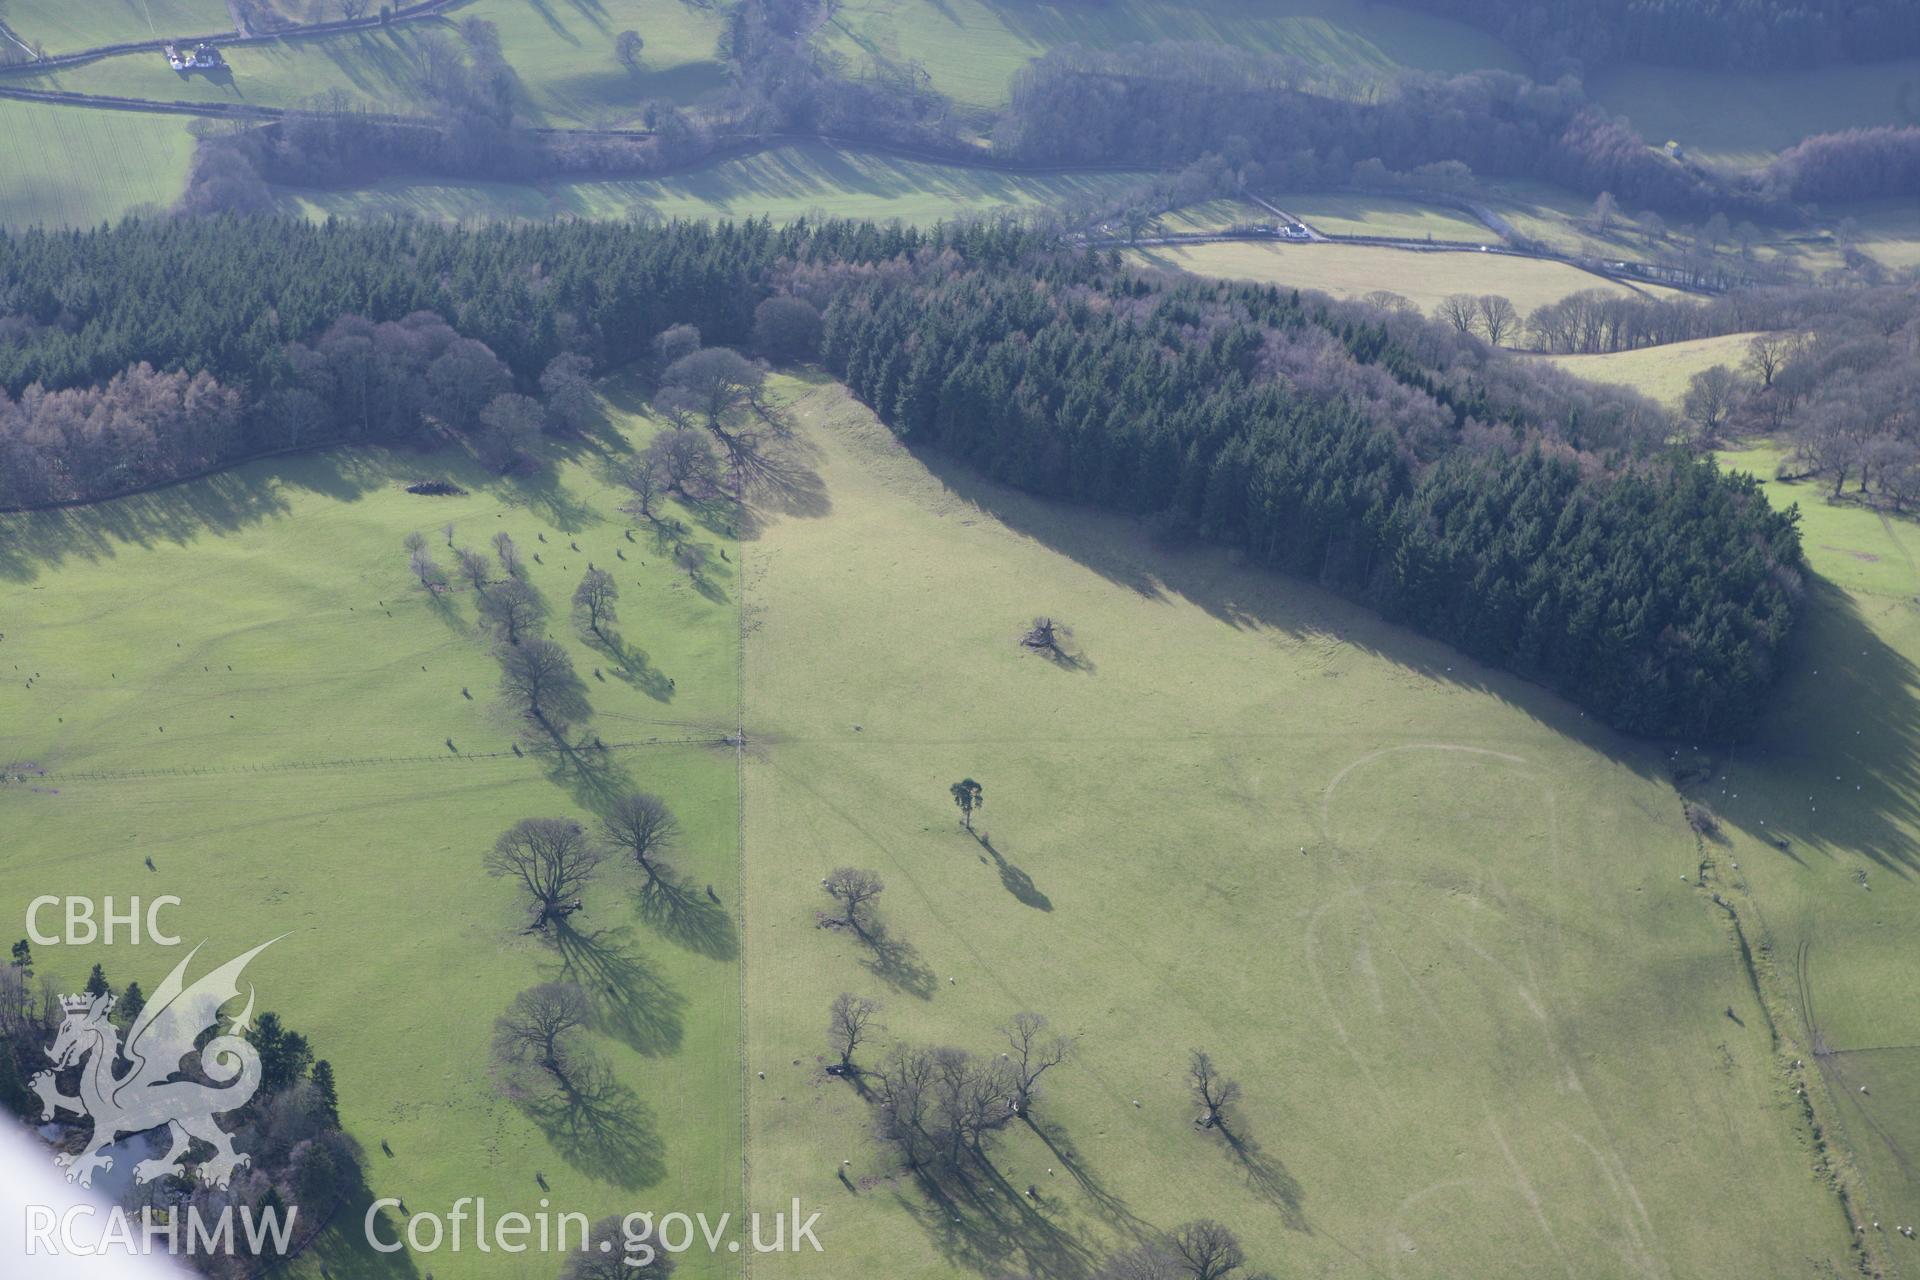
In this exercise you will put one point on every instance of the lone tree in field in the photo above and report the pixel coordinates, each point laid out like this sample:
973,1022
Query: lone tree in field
552,859
1213,1091
538,678
640,826
1031,1053
969,795
855,890
474,567
1046,636
850,1021
512,608
594,598
509,554
533,1041
627,46
1206,1250
1605,209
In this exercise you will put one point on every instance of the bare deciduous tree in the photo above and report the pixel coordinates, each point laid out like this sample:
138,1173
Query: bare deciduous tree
538,677
1766,352
512,607
1711,394
855,890
1031,1054
642,477
850,1020
627,46
430,574
568,385
508,553
684,462
608,1253
1213,1091
1461,310
641,826
595,598
552,859
1207,1250
1498,317
474,567
533,1041
1046,636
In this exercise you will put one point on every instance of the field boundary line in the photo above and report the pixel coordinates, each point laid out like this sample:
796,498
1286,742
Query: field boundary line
740,884
235,36
357,762
1818,1112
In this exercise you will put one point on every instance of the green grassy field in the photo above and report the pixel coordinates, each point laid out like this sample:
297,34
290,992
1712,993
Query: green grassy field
1742,118
236,679
379,70
1836,777
61,26
87,166
1338,214
561,50
1350,271
782,182
1661,372
1432,919
971,48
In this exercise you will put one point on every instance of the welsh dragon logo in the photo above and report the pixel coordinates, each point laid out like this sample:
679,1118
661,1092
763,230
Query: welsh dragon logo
150,1092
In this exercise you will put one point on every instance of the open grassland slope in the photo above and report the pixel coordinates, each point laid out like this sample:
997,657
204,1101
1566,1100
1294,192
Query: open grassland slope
1743,118
1818,832
562,56
1351,271
1443,931
971,49
62,26
73,167
782,183
1661,372
236,679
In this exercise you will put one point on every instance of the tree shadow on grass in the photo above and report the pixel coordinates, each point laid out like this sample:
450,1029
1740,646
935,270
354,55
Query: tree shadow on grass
1268,1178
1849,703
602,1128
689,918
1109,1205
630,1002
897,962
343,1251
587,771
1017,882
629,662
979,1221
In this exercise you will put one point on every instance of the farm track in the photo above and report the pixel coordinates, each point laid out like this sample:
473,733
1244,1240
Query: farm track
238,36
